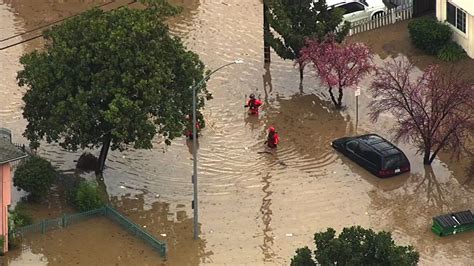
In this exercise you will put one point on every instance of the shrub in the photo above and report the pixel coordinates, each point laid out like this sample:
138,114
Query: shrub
356,246
429,35
451,52
88,197
35,176
2,243
17,218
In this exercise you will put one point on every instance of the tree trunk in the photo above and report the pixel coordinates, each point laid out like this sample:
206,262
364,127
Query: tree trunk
102,187
426,157
301,67
103,152
339,98
332,96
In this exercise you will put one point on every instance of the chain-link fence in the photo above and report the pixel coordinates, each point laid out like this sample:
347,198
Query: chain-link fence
107,211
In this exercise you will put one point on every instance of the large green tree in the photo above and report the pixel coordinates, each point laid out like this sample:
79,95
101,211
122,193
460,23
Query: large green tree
292,21
110,79
355,246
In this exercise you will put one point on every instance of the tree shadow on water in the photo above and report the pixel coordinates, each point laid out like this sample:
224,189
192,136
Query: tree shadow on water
409,210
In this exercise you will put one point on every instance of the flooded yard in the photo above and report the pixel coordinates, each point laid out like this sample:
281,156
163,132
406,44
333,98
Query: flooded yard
255,208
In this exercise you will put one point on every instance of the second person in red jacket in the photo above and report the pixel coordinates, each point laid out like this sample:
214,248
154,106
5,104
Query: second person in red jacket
272,139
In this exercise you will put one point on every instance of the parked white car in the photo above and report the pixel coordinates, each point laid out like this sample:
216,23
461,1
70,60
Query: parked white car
357,10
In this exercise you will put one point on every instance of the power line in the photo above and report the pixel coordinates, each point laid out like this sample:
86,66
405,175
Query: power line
52,23
27,40
41,35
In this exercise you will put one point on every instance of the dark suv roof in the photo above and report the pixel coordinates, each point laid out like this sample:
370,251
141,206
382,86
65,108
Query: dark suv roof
379,144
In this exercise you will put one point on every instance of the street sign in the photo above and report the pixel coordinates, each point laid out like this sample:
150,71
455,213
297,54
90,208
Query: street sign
357,92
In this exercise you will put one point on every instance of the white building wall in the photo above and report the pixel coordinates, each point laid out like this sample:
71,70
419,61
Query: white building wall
466,40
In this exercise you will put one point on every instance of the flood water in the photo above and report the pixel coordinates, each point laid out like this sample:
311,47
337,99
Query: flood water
254,208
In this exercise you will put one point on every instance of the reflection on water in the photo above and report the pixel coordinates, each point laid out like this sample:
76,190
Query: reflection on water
267,81
408,211
266,216
254,208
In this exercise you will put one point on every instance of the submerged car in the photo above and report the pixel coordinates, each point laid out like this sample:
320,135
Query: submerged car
374,153
357,10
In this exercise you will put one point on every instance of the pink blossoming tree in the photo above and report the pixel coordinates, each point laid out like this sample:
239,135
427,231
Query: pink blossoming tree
433,111
338,65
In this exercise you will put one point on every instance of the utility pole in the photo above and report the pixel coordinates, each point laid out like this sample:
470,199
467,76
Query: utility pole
266,31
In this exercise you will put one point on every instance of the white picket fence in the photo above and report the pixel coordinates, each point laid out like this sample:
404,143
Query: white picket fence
402,12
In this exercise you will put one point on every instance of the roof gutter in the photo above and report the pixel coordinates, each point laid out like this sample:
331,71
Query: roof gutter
15,159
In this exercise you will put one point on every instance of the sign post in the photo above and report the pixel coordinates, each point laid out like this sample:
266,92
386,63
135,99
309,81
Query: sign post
357,94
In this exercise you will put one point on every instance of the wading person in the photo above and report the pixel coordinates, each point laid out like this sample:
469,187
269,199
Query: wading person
272,139
189,128
253,104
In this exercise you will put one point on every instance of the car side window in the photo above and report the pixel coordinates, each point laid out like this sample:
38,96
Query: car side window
373,157
368,154
352,7
352,145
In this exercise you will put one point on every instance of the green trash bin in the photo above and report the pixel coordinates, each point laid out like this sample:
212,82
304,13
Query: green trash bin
453,223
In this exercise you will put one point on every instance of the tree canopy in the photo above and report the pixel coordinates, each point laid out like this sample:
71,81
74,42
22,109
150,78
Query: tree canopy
339,65
433,111
355,246
294,21
110,79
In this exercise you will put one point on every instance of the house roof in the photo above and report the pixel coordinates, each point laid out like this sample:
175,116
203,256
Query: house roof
9,152
467,5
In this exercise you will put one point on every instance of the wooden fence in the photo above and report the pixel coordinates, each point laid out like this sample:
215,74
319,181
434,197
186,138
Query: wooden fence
399,13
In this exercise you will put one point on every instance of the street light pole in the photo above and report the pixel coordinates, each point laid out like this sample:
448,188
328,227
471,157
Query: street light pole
194,177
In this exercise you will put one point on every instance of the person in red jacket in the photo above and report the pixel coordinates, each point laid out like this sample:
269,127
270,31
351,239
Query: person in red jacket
253,104
189,128
272,139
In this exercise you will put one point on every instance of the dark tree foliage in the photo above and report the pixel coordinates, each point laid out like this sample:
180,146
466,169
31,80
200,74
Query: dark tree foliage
110,79
356,246
303,257
294,21
35,176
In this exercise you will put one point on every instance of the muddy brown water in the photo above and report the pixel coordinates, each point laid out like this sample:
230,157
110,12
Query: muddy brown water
254,208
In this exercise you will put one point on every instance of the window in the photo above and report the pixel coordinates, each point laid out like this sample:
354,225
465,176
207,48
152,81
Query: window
352,145
352,7
373,157
368,154
394,161
456,17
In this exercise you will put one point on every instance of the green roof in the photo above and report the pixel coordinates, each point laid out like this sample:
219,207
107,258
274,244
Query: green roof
9,152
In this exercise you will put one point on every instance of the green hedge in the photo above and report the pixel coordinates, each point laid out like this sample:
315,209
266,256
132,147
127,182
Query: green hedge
451,52
87,197
429,35
35,176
